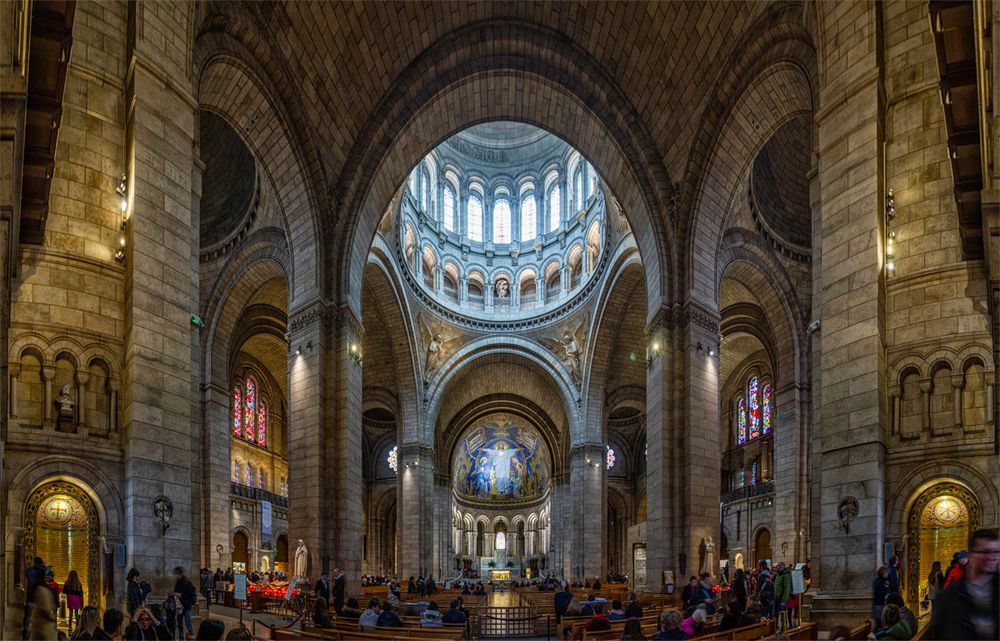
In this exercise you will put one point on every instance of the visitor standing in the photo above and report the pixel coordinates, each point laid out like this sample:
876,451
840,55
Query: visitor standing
323,586
35,576
894,573
561,600
134,591
935,583
633,610
880,588
184,590
339,588
957,570
782,587
206,586
73,590
969,608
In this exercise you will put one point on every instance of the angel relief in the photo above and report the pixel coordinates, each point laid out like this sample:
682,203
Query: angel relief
437,346
569,349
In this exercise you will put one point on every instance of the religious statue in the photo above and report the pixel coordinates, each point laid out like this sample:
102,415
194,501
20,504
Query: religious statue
65,400
708,557
503,288
301,561
436,348
569,349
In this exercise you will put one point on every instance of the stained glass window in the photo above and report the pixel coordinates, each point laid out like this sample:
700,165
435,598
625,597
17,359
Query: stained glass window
250,479
262,424
250,414
475,218
741,418
501,222
529,219
611,457
754,401
753,473
236,471
448,208
766,409
393,458
237,411
555,208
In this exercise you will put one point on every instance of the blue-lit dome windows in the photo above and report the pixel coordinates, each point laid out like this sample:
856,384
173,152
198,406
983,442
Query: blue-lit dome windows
498,225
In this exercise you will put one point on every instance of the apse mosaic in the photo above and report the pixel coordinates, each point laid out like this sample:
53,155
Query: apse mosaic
501,460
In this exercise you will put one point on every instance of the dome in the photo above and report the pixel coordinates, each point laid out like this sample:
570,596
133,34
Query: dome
229,182
502,220
501,460
780,184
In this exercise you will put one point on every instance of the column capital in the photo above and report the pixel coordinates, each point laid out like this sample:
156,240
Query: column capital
308,315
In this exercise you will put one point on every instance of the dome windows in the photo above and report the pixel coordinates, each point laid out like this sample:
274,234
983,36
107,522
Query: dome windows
501,222
529,218
475,218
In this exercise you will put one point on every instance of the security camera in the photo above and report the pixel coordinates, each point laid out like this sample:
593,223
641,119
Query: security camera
813,327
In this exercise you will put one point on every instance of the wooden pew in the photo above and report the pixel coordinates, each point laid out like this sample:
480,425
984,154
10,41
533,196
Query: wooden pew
861,632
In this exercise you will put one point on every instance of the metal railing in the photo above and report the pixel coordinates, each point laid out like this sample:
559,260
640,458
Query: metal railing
258,494
748,491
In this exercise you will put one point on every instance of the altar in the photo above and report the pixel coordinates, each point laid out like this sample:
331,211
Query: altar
500,575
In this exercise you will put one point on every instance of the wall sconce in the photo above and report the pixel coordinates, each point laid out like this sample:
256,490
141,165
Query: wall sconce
701,348
298,350
121,188
356,354
196,321
652,353
890,236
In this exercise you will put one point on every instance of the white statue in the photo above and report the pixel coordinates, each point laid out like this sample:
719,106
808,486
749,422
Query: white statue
708,562
503,288
569,350
301,561
65,400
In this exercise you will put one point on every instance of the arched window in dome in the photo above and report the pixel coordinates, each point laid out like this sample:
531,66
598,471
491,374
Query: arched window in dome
527,289
553,281
448,208
451,281
578,187
575,262
555,208
477,289
475,214
430,267
425,190
501,222
412,182
529,218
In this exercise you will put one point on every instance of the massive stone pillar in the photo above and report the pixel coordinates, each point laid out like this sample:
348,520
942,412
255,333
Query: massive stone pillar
849,442
661,462
588,497
309,471
415,488
347,362
161,292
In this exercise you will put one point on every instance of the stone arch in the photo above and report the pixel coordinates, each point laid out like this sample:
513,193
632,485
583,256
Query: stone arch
421,110
772,77
248,89
925,476
514,347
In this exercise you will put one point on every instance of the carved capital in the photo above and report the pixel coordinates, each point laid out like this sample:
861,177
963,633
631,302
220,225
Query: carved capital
349,324
47,372
307,317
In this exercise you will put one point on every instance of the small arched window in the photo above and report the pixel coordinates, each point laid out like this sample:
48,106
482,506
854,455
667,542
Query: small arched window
425,191
578,186
555,208
501,222
529,219
754,411
448,208
475,218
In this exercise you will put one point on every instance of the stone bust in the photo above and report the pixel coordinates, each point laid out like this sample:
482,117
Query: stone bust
65,400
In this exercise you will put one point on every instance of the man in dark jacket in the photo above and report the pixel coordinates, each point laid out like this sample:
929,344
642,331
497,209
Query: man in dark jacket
970,608
184,590
633,610
323,587
339,589
111,626
562,600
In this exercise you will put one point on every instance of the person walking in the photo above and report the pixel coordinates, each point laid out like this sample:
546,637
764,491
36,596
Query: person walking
35,576
184,590
73,590
970,607
206,586
134,591
782,587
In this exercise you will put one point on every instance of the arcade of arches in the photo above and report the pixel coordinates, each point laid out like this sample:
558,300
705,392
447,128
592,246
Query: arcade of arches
484,292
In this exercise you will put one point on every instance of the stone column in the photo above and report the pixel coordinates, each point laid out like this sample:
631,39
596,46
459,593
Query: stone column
309,468
415,485
347,451
46,373
849,443
661,464
217,471
588,496
160,293
113,386
789,432
82,376
15,375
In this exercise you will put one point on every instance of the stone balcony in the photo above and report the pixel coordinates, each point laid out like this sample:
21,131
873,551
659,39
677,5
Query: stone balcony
748,492
258,494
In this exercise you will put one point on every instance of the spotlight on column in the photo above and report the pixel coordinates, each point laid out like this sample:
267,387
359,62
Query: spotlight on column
356,354
298,351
